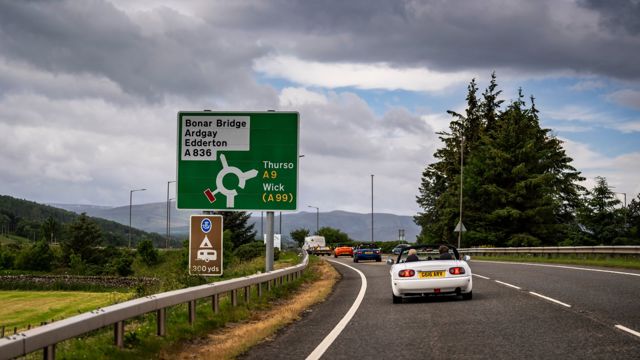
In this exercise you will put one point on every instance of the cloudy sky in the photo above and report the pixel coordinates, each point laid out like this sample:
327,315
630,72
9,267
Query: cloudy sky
89,90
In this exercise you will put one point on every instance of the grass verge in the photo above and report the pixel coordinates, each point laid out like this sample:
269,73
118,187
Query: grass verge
142,343
578,259
234,339
23,308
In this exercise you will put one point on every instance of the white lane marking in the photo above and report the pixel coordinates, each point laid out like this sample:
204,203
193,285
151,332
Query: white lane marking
561,267
507,284
329,339
632,332
550,299
482,277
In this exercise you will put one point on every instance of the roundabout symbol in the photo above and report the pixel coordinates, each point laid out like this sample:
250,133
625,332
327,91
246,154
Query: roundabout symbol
230,194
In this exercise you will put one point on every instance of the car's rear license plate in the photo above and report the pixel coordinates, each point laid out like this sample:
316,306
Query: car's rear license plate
431,274
368,252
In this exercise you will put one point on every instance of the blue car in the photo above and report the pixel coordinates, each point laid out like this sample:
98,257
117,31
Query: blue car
367,252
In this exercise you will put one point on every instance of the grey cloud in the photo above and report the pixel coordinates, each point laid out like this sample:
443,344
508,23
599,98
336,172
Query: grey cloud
626,97
617,15
533,36
93,37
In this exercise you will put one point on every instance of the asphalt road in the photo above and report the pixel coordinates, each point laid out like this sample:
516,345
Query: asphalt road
501,322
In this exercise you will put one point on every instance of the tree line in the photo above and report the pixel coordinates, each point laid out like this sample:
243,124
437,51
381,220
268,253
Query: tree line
518,186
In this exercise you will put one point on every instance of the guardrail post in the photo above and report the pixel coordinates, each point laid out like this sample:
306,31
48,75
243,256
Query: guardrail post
269,285
49,352
215,303
161,316
234,297
118,334
192,312
259,285
247,294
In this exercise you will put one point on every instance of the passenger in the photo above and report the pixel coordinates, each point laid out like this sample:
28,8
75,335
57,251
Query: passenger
413,255
444,253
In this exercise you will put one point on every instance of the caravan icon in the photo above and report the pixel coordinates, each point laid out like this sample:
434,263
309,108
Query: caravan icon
206,252
207,255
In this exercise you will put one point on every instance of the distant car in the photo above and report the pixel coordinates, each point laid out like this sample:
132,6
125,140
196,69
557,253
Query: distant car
429,275
398,249
341,250
367,252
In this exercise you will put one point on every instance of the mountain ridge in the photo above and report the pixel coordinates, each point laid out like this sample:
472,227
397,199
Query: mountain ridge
152,217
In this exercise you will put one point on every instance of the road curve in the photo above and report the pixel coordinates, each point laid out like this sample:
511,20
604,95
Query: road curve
518,311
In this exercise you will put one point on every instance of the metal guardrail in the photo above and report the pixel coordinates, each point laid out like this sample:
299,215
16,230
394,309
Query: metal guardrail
47,336
631,250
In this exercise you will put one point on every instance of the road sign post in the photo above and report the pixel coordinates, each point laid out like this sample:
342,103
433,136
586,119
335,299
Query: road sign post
205,245
237,161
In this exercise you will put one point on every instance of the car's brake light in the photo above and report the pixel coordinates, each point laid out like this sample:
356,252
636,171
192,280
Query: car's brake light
456,270
406,273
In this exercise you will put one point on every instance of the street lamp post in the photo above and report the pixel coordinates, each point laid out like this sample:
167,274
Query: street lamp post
317,218
461,182
166,245
169,227
130,203
371,207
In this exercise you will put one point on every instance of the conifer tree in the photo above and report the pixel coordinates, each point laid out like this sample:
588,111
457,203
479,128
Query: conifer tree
601,215
519,185
236,222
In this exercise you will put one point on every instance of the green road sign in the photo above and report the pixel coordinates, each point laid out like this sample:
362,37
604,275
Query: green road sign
237,160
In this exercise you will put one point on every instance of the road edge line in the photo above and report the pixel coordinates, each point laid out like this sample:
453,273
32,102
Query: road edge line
333,335
630,331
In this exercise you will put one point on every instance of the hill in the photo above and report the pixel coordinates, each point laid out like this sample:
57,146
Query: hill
152,217
24,218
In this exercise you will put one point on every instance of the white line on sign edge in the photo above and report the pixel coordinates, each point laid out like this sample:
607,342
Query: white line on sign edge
507,284
550,299
329,339
482,277
560,266
632,332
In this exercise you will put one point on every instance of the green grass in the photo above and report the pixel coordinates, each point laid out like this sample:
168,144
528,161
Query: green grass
141,341
22,308
628,262
13,239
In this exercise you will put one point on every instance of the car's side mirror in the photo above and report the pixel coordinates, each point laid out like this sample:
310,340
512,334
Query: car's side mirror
466,258
389,261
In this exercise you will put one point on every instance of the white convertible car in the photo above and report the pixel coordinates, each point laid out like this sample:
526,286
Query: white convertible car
422,270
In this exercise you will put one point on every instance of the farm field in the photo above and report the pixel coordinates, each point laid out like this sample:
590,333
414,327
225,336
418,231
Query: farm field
22,308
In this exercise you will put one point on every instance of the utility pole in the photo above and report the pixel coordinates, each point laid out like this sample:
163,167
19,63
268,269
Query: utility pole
317,218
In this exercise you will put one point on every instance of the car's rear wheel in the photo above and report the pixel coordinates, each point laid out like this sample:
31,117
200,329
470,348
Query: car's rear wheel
355,259
335,256
396,299
467,296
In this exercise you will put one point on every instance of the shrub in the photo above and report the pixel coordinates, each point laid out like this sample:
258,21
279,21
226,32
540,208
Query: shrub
35,257
250,250
122,265
77,265
148,253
